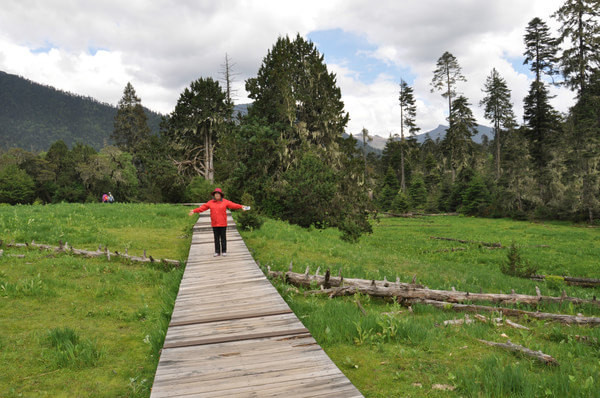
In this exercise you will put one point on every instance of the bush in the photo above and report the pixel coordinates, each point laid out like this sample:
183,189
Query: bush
249,220
199,190
515,265
16,186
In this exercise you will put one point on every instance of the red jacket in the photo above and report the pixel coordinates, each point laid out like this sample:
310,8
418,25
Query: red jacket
218,211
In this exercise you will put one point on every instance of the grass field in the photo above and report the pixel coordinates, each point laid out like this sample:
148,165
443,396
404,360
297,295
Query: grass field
86,327
407,354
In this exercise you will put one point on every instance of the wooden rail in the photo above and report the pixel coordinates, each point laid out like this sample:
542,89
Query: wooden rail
232,335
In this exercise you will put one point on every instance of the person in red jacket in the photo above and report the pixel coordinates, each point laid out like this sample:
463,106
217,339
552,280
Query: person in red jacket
218,218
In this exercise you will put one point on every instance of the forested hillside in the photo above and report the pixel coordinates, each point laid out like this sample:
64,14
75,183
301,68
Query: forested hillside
33,116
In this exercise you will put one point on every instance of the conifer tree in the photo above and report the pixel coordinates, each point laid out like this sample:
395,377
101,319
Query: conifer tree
539,116
445,77
408,114
581,32
457,142
131,129
498,109
296,94
201,113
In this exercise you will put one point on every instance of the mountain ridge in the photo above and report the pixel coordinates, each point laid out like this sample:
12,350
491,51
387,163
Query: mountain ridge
33,116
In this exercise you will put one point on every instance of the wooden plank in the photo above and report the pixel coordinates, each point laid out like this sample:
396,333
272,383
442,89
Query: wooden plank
230,318
232,334
223,339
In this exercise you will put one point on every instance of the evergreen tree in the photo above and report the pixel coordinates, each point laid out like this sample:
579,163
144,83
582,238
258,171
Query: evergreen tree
131,129
201,113
579,29
389,190
457,142
417,192
498,109
445,78
540,49
408,113
296,95
584,159
476,198
539,116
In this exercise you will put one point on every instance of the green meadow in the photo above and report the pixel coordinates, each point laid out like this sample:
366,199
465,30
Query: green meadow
90,327
86,327
399,352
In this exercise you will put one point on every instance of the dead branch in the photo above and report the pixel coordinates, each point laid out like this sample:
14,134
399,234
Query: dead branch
96,253
540,356
568,319
571,280
497,245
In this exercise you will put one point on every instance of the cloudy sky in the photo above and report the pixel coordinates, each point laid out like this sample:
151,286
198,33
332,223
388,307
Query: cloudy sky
94,48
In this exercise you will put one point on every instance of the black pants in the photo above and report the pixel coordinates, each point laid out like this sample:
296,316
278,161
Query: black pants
220,239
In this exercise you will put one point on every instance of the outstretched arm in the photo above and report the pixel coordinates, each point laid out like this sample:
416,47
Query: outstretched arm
234,206
200,209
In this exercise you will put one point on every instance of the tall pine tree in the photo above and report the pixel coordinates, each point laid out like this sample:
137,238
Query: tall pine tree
131,129
539,116
457,142
498,109
408,114
580,32
445,77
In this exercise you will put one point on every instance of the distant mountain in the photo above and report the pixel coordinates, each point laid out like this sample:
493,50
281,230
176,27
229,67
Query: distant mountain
438,132
241,108
33,116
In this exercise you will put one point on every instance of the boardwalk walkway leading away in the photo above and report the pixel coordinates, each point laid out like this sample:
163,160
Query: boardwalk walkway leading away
232,335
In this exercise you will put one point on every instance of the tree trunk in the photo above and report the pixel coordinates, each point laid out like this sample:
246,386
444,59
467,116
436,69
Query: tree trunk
497,132
387,288
402,180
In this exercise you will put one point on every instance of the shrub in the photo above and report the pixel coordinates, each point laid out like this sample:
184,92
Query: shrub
16,186
249,220
515,265
199,190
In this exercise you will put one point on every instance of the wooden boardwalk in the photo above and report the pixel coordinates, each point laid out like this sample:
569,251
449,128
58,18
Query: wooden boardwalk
232,335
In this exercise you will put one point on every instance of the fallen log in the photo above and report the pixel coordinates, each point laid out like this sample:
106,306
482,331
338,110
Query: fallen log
385,288
571,280
568,319
307,280
94,254
497,245
539,355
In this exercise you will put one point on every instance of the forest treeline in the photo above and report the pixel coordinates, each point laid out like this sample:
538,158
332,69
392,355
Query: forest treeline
33,116
289,157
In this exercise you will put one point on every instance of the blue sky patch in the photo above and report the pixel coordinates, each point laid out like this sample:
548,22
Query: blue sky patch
43,49
356,53
93,50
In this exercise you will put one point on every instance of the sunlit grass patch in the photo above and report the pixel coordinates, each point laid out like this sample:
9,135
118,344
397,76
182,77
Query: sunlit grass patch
399,351
73,326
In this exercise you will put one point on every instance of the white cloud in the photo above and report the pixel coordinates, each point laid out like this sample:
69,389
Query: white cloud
161,46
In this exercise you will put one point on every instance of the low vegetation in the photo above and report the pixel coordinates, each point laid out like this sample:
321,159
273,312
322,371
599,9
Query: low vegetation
398,351
73,326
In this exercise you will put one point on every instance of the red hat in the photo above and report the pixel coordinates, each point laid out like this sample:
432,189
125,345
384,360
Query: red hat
218,190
